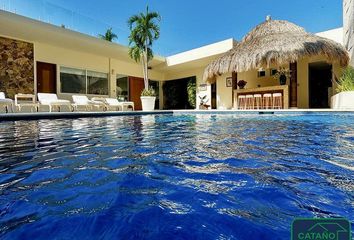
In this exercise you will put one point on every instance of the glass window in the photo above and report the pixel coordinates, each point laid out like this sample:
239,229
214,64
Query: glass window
84,82
122,89
97,83
261,73
72,80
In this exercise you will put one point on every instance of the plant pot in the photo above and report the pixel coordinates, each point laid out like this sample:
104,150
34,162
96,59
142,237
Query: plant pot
204,107
241,87
282,79
343,100
148,103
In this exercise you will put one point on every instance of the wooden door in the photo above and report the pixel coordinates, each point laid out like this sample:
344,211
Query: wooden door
213,96
136,86
293,85
46,77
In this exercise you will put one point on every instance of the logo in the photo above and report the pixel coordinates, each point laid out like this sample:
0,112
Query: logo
320,229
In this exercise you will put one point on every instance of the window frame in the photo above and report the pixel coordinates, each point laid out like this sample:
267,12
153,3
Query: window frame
128,83
86,80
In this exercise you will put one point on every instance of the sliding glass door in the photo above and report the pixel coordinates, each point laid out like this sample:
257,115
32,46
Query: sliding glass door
122,88
82,81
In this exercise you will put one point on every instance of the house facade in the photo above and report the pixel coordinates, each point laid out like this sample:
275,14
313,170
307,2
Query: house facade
40,57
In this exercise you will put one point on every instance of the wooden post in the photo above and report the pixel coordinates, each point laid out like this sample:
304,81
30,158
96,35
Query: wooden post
234,86
293,85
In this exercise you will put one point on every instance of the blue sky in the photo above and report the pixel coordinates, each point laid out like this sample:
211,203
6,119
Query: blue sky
188,24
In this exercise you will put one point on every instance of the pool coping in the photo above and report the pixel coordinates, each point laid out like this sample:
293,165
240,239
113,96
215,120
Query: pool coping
60,115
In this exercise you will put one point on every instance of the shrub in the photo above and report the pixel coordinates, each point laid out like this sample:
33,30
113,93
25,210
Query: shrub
346,82
150,92
191,90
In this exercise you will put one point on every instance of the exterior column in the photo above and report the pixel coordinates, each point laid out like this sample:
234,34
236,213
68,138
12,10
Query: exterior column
112,80
234,86
293,85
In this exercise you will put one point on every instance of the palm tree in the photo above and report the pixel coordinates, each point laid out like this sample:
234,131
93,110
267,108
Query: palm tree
109,35
144,30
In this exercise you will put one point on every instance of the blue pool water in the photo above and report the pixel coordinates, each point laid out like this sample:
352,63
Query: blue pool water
174,176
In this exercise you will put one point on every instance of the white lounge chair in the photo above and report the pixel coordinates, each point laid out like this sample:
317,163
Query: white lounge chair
127,105
6,103
51,100
83,101
112,102
26,100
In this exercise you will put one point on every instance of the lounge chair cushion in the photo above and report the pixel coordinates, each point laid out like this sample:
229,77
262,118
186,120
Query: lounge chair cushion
113,102
51,99
47,97
4,100
83,100
97,103
59,102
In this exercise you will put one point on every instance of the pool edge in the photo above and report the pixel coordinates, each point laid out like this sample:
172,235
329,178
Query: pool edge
61,115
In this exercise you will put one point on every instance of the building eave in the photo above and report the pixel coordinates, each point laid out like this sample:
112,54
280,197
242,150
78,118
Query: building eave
24,28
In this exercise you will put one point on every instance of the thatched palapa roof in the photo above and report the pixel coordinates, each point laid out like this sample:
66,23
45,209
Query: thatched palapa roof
275,42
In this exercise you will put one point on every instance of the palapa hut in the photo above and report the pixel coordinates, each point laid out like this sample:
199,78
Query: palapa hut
311,61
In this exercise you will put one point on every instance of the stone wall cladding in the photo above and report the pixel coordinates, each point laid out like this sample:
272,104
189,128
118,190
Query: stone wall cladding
16,67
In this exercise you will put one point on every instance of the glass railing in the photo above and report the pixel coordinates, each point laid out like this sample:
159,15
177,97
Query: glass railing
53,14
45,11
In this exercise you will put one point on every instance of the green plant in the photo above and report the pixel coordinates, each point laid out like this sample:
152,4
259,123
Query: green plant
346,82
282,72
191,90
144,30
150,92
203,100
109,35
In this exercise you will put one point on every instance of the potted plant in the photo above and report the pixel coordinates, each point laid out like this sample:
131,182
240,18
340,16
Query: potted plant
241,84
148,97
344,99
282,75
203,103
144,30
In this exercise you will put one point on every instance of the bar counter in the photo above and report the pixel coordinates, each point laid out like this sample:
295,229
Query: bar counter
283,89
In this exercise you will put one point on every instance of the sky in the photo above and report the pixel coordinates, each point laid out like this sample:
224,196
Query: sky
185,24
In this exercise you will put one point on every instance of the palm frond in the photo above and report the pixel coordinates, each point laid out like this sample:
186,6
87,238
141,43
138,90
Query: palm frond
144,30
109,35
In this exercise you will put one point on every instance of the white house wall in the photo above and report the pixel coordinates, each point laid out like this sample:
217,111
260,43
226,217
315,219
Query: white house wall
348,27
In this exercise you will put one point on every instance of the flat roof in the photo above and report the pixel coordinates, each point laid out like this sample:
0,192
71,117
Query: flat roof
201,52
198,57
333,34
27,29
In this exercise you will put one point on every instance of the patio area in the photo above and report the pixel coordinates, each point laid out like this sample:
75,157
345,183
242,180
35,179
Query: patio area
277,65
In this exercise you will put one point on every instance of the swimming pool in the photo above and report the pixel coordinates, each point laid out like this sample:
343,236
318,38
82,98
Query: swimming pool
180,176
